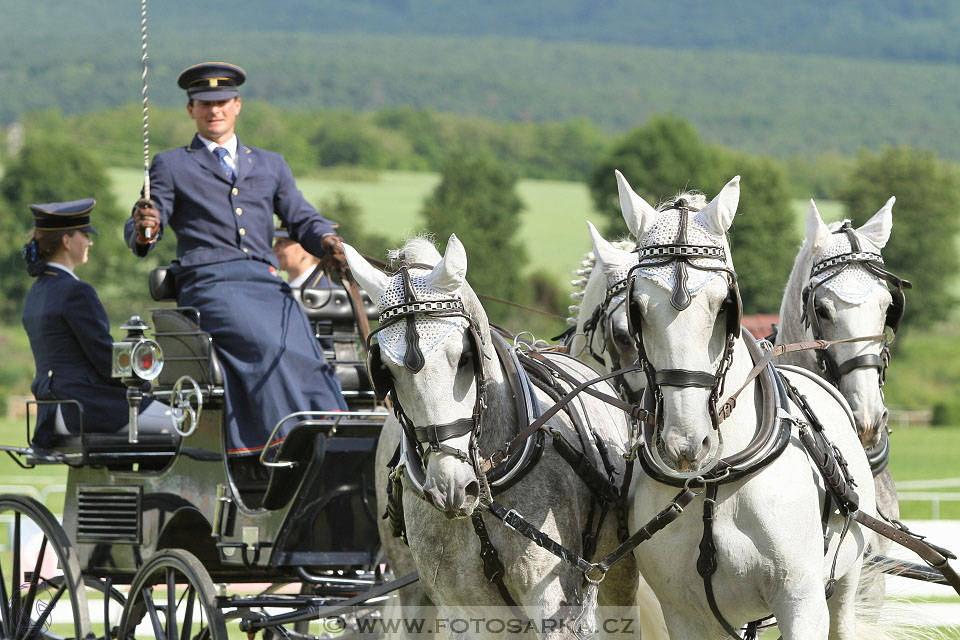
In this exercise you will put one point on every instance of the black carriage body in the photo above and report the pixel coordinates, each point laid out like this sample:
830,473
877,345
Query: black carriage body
125,502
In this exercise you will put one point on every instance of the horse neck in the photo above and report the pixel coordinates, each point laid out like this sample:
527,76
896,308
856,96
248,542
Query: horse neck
792,328
739,428
500,420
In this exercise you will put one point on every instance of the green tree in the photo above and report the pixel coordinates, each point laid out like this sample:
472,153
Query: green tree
659,160
923,244
763,236
52,170
346,212
477,200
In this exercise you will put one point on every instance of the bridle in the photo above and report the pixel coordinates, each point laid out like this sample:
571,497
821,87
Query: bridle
601,320
429,438
682,253
873,263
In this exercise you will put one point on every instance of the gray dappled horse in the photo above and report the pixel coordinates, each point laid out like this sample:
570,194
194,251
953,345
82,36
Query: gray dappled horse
838,289
751,543
447,370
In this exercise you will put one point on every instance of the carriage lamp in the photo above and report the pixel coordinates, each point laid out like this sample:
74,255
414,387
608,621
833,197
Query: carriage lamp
136,359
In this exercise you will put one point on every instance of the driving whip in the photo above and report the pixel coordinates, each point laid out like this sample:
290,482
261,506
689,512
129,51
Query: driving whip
146,128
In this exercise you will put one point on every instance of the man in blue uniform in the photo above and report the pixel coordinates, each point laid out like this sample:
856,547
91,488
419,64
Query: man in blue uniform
70,333
219,196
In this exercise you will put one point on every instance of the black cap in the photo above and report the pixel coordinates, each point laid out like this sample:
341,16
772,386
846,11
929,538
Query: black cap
64,216
211,81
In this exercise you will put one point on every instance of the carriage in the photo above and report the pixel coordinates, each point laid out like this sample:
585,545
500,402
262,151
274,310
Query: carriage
159,531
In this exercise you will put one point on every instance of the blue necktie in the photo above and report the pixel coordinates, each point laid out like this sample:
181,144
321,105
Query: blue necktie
221,154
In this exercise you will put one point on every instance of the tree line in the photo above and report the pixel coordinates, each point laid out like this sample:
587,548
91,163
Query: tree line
477,199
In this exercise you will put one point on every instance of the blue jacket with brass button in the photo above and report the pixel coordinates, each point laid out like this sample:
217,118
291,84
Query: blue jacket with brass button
271,362
72,347
217,219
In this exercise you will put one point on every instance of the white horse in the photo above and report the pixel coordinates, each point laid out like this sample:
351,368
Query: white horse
761,531
848,299
601,337
435,359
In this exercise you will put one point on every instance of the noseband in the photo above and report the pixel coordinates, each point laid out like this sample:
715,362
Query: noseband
873,263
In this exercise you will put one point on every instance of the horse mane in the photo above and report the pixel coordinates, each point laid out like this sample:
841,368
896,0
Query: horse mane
696,200
419,249
589,288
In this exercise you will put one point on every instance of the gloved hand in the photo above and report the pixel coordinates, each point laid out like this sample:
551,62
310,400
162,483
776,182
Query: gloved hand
334,259
145,216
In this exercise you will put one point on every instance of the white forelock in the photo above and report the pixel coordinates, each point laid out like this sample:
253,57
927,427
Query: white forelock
432,331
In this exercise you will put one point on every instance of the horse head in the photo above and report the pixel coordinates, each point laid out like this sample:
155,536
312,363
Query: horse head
847,296
602,332
432,341
684,313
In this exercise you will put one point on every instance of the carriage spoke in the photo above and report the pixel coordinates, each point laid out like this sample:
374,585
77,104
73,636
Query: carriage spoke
5,621
108,583
171,605
32,591
188,614
147,595
50,606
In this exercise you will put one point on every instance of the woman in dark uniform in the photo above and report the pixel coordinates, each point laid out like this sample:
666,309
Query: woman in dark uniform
70,333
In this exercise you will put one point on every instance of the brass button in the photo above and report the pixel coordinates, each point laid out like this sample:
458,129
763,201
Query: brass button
238,211
50,373
245,250
243,231
235,191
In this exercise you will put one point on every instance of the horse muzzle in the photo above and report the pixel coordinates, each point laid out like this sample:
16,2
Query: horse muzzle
455,502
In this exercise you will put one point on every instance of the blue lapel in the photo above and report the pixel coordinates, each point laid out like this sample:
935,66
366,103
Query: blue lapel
244,161
199,152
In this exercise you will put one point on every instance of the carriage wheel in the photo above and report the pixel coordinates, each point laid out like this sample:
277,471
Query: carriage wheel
41,588
185,591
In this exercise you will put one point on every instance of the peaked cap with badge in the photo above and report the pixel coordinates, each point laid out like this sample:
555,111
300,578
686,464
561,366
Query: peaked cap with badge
64,216
211,81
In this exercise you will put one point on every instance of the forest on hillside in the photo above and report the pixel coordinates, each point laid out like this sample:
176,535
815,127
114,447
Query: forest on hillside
775,99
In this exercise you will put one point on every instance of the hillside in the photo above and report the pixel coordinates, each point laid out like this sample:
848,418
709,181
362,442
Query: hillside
758,92
870,29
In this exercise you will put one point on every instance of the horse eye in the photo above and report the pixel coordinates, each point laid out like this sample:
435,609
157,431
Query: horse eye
465,359
822,312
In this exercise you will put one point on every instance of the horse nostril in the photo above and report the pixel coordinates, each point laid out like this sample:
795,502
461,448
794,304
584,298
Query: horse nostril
472,490
705,444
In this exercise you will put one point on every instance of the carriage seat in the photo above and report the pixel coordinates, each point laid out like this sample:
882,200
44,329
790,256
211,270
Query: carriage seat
332,304
162,285
187,349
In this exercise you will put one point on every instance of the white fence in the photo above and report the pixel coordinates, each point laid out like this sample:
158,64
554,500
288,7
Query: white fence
920,491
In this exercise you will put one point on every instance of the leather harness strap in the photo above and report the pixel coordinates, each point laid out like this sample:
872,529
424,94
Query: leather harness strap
634,411
925,550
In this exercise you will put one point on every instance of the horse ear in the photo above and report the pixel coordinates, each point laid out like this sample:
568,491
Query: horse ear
718,215
638,215
877,229
370,278
608,256
817,230
451,271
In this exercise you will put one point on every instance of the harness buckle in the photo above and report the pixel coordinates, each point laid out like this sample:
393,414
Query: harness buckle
506,516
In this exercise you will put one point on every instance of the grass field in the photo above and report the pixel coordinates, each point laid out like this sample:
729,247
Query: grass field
554,221
555,215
